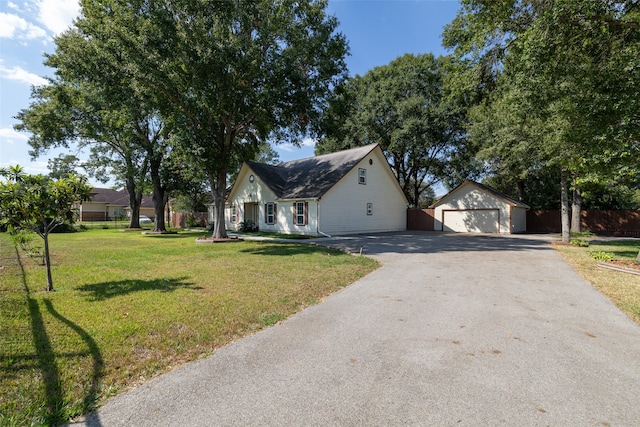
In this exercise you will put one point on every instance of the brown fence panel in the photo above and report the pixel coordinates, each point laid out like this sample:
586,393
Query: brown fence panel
544,222
179,219
94,216
605,223
420,219
612,223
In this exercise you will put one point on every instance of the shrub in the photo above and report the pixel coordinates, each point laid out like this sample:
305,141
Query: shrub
601,256
580,242
248,225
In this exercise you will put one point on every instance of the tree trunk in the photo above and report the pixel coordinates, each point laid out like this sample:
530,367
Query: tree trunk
220,190
521,191
638,257
158,208
134,221
564,206
576,211
47,259
158,195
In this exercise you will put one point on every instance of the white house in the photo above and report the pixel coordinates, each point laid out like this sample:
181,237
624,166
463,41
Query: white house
348,192
476,208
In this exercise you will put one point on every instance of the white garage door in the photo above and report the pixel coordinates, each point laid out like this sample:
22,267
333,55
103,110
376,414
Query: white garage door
472,221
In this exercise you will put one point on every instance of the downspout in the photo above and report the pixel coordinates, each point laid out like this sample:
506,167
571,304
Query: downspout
318,219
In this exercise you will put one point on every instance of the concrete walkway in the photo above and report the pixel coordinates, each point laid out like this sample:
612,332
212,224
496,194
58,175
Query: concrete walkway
451,330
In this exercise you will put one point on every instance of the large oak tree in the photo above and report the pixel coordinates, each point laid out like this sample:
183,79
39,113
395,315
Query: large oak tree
406,108
560,84
226,75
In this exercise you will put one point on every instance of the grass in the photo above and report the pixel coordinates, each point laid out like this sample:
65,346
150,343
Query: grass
621,288
277,235
128,307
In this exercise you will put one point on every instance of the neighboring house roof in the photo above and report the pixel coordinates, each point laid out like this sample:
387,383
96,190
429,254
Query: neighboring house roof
312,177
497,194
117,197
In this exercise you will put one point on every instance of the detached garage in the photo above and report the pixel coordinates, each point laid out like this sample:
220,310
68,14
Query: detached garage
475,208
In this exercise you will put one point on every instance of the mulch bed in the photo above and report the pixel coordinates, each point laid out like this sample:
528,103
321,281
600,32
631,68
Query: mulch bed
159,232
218,240
624,266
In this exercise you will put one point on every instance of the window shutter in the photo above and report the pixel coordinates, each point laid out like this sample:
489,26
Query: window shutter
306,209
275,209
266,218
294,213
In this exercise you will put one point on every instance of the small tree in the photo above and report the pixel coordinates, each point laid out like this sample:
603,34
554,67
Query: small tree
39,204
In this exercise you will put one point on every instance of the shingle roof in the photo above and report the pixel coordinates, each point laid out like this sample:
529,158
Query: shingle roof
311,177
117,197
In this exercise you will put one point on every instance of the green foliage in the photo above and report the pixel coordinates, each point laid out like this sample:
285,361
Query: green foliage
117,319
192,221
40,204
601,256
225,75
248,225
580,242
557,86
406,108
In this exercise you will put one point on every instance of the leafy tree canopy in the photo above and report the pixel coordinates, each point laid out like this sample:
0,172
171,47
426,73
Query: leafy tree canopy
558,84
225,75
40,204
404,106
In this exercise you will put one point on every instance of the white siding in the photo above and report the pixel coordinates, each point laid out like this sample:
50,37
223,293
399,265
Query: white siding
470,197
343,209
471,220
518,220
245,191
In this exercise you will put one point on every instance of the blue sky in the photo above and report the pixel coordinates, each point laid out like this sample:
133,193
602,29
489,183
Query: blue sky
378,31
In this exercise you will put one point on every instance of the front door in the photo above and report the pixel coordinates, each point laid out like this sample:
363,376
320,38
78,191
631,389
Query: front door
251,213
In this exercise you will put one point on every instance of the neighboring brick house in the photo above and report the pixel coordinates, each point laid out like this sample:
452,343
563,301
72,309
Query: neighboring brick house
107,204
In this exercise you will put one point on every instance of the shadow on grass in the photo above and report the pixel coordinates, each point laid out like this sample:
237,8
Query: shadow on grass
105,290
45,355
91,398
284,249
622,248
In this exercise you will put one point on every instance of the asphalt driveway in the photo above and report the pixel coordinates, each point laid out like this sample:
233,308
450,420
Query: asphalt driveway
451,330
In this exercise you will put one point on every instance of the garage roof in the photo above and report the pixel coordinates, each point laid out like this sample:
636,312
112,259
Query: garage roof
497,194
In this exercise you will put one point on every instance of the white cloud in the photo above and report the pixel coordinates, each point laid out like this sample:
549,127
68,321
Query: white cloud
10,135
14,27
21,75
12,5
58,15
309,142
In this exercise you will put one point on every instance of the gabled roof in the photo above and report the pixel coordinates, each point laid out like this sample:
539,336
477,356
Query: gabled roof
311,177
497,194
116,197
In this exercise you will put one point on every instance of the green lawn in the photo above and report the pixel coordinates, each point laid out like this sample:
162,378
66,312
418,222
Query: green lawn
128,307
622,289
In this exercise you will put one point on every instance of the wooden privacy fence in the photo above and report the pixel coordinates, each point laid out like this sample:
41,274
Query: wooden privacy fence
420,219
624,223
179,219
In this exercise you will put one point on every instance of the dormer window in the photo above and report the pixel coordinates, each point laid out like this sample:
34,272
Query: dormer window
362,176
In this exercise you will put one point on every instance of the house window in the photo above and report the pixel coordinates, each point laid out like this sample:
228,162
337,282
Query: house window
369,208
300,213
362,176
270,213
234,214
